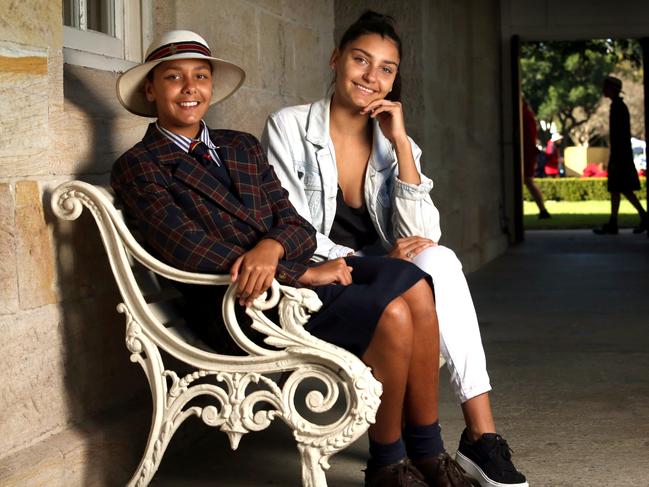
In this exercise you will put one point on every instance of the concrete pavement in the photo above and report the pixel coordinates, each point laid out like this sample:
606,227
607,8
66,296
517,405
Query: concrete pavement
565,325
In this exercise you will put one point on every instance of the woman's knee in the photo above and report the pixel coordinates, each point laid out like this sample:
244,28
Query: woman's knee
420,297
434,260
395,328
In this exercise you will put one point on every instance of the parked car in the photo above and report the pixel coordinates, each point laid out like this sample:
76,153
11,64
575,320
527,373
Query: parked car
639,154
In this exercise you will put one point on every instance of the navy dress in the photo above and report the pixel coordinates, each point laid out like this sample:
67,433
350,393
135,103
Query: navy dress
350,314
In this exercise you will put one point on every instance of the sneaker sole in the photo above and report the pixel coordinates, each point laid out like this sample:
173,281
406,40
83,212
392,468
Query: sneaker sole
476,472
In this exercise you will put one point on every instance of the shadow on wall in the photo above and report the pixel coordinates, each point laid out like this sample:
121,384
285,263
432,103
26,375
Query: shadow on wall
102,384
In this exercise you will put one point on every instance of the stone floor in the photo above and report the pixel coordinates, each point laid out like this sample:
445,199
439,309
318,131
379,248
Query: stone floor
565,324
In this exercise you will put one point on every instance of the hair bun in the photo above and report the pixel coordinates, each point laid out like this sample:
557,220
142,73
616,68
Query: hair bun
372,16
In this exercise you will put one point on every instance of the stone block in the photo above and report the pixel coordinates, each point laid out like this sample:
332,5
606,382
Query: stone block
55,74
33,248
273,61
272,6
92,454
164,17
307,69
24,100
69,363
318,14
21,23
98,374
231,31
33,400
246,111
8,270
92,110
81,265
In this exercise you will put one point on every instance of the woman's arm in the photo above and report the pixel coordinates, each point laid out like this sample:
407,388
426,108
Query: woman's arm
413,211
391,121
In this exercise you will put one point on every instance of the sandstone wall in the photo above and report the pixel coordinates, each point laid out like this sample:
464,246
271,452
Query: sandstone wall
68,383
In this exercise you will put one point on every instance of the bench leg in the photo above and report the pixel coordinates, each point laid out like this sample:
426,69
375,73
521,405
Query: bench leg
152,454
145,353
313,473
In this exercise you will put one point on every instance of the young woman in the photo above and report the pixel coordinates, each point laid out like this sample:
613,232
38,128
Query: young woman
353,172
207,201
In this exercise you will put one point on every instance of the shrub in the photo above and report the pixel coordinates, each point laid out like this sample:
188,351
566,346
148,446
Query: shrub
577,189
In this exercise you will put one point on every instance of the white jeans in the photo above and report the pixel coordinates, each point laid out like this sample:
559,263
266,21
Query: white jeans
460,342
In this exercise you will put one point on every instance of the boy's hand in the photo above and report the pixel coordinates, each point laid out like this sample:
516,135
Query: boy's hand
331,272
254,271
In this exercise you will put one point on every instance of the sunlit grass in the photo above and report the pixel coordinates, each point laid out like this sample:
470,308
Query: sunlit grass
578,214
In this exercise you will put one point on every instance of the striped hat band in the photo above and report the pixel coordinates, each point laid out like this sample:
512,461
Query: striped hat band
178,48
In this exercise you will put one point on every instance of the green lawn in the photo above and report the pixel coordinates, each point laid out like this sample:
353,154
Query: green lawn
578,214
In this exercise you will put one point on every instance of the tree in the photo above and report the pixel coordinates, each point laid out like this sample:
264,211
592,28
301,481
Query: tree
562,81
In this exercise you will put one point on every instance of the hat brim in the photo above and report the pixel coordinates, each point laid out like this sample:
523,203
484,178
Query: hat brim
226,79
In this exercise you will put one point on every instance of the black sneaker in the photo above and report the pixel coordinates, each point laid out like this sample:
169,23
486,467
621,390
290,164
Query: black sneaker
643,227
489,461
400,474
544,215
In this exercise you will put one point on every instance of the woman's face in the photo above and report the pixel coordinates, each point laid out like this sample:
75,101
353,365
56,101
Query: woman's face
365,70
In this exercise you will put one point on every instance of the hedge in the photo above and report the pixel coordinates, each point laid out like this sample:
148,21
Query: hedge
577,189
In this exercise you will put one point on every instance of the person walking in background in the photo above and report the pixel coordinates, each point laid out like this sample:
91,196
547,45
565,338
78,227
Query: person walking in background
530,153
553,166
622,175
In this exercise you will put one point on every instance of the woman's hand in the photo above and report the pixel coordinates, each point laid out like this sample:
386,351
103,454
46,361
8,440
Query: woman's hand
408,248
331,272
254,271
391,120
392,124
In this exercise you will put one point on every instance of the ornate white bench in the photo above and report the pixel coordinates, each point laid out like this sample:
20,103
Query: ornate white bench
245,393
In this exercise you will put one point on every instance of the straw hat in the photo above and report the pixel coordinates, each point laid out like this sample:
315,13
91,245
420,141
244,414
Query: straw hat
176,44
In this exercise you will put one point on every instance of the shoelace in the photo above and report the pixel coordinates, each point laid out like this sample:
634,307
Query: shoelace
406,473
501,451
454,471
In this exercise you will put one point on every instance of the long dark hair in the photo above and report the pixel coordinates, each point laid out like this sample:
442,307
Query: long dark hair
375,23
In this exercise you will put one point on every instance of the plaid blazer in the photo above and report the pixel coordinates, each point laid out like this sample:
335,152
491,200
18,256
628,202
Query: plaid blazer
190,220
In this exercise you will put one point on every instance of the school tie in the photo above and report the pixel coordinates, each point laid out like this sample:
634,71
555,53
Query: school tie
201,153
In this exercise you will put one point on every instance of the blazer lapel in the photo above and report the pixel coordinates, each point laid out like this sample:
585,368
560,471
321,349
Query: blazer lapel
244,175
186,169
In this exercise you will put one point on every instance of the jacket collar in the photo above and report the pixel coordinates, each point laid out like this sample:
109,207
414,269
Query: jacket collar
185,168
317,124
317,132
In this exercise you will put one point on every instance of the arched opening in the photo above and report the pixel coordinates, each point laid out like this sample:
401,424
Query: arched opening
561,131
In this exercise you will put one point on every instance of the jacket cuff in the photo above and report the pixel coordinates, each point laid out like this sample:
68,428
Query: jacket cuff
288,273
413,191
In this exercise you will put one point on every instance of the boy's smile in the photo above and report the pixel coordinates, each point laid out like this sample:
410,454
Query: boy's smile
181,90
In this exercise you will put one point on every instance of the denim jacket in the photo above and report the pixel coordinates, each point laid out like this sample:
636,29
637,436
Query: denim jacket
298,145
